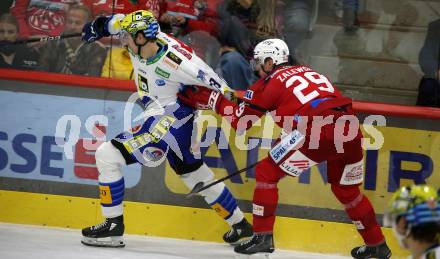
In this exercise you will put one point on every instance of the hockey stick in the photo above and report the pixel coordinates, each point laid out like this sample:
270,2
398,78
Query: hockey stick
44,39
200,187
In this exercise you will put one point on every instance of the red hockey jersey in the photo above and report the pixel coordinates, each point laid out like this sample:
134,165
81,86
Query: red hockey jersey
287,92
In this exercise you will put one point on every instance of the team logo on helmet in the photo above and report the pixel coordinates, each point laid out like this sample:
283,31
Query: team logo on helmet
276,49
143,21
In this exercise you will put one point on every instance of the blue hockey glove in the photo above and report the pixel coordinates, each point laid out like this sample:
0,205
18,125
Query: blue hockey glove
96,29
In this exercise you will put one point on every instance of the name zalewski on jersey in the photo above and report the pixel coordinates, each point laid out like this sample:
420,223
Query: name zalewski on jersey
162,76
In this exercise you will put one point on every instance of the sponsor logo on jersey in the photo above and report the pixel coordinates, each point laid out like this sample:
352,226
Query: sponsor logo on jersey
174,58
157,133
170,63
162,72
285,145
277,153
249,94
142,83
182,51
201,75
153,153
297,163
301,164
160,82
289,169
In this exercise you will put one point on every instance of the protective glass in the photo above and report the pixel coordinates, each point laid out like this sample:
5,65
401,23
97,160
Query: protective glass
125,38
256,64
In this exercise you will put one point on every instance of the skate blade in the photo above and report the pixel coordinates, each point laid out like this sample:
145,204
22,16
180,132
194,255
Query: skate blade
240,241
117,242
253,256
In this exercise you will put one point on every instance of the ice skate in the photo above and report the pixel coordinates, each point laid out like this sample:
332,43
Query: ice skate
238,231
380,251
107,234
259,243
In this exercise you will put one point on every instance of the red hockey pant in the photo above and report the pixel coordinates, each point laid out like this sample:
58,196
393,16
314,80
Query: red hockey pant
357,206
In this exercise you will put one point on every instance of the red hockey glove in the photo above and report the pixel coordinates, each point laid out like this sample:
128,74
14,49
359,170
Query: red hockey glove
200,98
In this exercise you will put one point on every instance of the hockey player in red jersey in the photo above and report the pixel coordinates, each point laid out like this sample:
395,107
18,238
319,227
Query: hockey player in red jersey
318,125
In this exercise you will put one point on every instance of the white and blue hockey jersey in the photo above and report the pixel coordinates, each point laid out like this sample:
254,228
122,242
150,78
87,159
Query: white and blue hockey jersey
174,66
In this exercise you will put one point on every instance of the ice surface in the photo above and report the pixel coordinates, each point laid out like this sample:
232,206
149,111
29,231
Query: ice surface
37,242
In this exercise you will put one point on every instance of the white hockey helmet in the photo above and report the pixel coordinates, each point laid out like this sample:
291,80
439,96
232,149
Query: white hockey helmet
275,49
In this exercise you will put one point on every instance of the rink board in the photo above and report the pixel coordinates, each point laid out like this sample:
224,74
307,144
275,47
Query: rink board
176,222
42,183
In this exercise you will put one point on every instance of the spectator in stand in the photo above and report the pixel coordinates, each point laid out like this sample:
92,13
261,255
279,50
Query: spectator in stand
185,16
233,66
5,5
347,10
269,19
429,58
72,56
350,15
17,56
247,12
106,7
260,17
118,64
41,17
195,22
297,15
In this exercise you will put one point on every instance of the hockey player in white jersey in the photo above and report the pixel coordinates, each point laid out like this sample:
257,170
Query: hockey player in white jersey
162,66
414,215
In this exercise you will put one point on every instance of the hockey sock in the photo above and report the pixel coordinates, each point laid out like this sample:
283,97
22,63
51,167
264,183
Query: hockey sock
225,204
264,205
109,161
218,196
361,212
112,195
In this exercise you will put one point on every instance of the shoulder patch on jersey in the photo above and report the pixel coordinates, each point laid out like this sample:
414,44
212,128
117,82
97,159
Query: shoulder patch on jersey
162,72
174,58
248,94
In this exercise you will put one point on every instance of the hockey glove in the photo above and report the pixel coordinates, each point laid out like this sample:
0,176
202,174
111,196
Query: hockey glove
96,29
200,98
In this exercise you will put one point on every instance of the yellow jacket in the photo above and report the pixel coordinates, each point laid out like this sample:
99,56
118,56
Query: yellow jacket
121,67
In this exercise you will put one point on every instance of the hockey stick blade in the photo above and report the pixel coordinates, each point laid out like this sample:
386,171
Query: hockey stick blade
200,186
44,39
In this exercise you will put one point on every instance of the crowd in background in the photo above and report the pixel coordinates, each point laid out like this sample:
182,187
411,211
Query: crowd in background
222,32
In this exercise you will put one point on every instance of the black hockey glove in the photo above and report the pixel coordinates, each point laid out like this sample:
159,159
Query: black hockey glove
96,29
